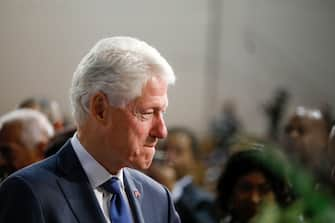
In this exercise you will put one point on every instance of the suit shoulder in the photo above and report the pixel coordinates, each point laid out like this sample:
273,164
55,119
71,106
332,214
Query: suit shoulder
138,175
144,179
196,196
37,172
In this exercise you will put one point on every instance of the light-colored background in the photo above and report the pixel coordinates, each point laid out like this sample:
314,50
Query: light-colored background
220,49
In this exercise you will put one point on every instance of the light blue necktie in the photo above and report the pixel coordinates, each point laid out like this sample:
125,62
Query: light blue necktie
118,209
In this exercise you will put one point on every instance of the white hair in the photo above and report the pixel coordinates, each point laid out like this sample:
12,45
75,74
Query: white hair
35,125
118,67
311,113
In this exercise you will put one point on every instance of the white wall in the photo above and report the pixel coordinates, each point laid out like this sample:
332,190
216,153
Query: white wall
274,43
264,44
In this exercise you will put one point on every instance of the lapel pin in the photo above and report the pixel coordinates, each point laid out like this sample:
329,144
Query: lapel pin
137,194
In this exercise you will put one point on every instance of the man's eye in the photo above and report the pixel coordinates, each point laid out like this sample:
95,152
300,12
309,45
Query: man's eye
146,115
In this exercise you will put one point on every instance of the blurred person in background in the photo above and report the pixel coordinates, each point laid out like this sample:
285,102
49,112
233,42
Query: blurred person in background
226,126
331,154
53,112
305,138
161,171
192,203
274,110
6,167
24,134
249,181
50,108
224,131
331,143
59,139
31,102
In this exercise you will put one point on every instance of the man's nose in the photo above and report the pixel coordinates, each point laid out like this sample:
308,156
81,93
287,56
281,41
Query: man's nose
159,129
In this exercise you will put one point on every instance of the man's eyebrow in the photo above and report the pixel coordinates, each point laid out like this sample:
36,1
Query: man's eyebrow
155,106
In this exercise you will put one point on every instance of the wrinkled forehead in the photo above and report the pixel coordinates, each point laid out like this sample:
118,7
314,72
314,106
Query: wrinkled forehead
154,94
155,85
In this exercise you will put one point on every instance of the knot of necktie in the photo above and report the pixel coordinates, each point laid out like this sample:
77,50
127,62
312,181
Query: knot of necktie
118,208
112,185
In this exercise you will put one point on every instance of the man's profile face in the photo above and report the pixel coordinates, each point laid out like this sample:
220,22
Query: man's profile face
135,130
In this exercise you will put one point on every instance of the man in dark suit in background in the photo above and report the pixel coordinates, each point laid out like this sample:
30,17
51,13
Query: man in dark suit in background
118,96
193,204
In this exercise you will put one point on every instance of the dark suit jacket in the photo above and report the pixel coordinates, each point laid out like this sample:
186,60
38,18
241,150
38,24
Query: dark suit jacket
57,190
195,206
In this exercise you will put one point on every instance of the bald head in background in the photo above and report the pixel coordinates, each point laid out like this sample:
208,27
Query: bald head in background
24,134
306,135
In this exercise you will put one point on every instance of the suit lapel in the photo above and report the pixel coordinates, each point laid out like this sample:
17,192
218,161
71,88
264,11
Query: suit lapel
134,193
76,188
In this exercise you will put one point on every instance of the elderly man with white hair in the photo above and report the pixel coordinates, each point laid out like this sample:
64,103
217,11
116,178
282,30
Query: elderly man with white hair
24,134
118,97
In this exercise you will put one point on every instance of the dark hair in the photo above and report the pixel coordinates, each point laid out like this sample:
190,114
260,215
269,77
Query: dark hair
59,140
190,134
28,103
243,162
6,158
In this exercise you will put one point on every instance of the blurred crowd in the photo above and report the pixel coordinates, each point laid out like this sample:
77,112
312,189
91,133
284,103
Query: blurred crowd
228,176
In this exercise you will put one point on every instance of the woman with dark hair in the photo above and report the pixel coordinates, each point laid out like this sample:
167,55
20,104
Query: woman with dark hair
250,179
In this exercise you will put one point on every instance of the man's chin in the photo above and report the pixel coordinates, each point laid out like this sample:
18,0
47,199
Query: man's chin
141,164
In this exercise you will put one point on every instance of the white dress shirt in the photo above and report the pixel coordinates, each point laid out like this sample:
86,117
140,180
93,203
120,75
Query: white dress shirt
97,175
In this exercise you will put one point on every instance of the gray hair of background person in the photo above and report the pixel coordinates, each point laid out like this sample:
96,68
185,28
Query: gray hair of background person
119,67
34,125
50,108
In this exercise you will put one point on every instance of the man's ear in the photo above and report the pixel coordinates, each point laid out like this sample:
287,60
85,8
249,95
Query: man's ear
99,107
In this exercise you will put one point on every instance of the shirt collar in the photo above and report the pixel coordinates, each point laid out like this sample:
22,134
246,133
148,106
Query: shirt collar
95,172
179,186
